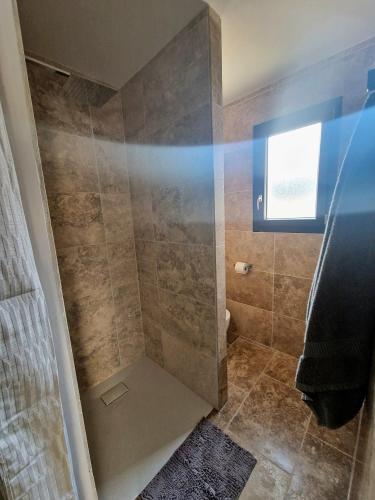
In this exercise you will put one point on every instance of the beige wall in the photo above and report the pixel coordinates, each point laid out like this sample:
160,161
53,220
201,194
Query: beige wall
268,305
172,115
83,160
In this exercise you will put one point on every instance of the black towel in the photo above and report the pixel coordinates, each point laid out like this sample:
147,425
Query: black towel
334,369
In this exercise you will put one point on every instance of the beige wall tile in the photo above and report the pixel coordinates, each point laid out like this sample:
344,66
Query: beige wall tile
297,254
132,98
154,349
219,228
189,320
122,263
222,382
132,347
93,232
237,170
127,304
169,95
76,219
255,248
112,170
53,109
84,272
198,211
251,322
170,127
221,302
239,210
254,288
147,252
140,157
288,334
291,295
149,295
107,118
167,214
94,339
179,140
68,162
215,57
151,319
194,368
188,270
128,324
117,217
142,217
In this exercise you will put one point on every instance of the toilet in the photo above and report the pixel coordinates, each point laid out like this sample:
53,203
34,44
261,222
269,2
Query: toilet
227,319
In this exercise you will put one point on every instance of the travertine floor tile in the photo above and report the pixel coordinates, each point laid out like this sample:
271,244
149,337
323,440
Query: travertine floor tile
322,472
235,397
246,362
283,368
267,482
272,421
343,438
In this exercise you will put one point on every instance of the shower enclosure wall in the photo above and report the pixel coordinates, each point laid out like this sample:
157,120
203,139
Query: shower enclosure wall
135,193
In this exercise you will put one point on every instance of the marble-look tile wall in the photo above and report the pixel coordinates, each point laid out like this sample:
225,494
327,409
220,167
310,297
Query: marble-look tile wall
268,305
172,111
83,159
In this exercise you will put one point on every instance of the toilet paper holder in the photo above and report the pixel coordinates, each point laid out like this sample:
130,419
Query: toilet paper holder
242,267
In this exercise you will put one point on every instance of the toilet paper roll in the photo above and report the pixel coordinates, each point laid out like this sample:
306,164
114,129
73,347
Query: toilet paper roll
242,267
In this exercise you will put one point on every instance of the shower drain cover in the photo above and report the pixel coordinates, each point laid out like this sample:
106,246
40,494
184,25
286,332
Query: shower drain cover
114,393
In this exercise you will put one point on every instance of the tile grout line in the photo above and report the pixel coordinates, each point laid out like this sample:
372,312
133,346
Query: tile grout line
105,231
354,459
126,164
281,382
267,347
181,243
329,444
297,455
251,390
305,278
269,310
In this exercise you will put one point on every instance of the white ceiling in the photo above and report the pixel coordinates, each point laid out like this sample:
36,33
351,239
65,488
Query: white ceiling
263,40
105,40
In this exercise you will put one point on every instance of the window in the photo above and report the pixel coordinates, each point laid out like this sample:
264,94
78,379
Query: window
295,167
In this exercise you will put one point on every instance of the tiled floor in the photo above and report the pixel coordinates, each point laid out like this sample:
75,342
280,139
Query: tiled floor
264,414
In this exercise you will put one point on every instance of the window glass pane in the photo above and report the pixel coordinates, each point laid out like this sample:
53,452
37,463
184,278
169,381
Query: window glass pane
292,173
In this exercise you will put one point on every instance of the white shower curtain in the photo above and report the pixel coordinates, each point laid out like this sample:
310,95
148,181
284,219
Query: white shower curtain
33,455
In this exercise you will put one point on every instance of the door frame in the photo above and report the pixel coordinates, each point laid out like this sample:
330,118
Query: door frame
21,128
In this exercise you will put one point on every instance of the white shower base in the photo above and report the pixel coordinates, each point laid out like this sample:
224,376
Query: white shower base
131,439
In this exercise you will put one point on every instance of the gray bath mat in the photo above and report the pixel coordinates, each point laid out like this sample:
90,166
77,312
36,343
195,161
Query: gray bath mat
208,465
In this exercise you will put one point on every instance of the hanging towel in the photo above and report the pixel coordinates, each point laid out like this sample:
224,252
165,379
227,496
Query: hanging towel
334,369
